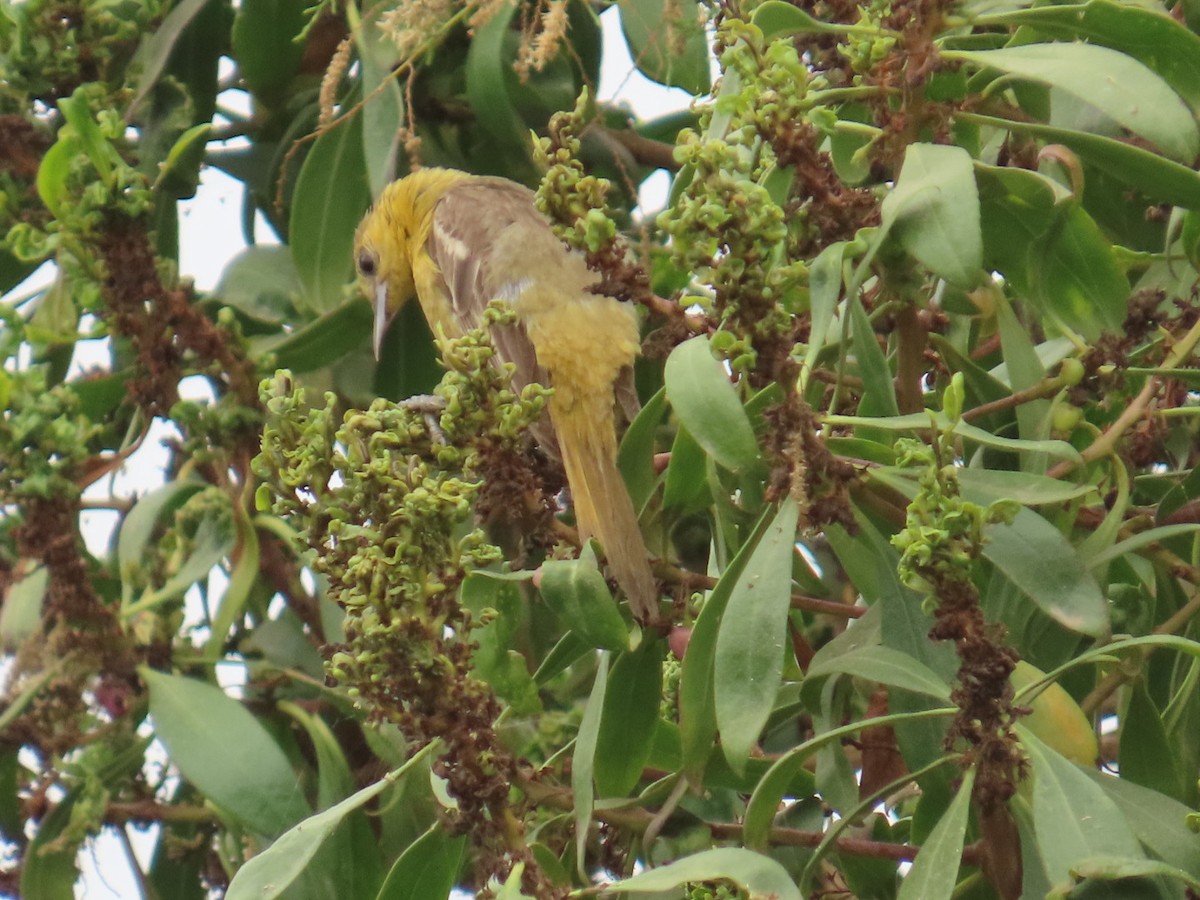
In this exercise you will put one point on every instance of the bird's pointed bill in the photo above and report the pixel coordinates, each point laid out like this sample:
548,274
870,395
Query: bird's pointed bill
382,318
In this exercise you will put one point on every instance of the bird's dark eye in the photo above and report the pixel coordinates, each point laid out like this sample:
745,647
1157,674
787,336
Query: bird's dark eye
366,264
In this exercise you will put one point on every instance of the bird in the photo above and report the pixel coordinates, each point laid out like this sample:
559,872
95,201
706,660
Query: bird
457,241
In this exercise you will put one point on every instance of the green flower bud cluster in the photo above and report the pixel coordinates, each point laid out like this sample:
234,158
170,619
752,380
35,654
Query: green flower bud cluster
944,533
385,503
50,46
728,227
862,49
574,202
209,429
44,438
715,891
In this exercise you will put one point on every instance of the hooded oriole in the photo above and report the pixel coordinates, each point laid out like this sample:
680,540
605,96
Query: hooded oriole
459,241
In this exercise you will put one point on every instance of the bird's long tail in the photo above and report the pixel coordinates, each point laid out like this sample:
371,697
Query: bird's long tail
588,443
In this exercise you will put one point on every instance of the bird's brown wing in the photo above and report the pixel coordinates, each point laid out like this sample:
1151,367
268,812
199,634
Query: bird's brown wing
467,222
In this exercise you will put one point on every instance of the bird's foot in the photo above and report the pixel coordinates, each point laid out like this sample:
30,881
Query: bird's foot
429,406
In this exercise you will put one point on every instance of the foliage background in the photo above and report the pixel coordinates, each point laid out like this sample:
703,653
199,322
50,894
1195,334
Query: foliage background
947,254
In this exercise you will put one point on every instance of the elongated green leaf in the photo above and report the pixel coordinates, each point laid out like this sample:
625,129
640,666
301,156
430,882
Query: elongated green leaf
583,762
1118,85
1157,177
697,711
1140,540
241,579
383,113
771,788
488,73
760,875
707,404
1075,821
824,289
21,606
629,719
331,196
636,456
925,420
935,870
269,874
1159,822
685,483
934,212
50,872
1043,565
199,724
1146,753
153,54
427,869
1148,35
1076,275
265,48
878,387
748,662
885,665
668,48
579,596
326,339
1107,868
498,603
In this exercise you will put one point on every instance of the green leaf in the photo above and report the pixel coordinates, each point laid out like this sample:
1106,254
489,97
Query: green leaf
708,406
824,289
244,574
1148,35
748,660
331,196
672,50
1027,489
1158,178
499,604
934,212
489,75
95,146
1140,540
49,871
53,171
154,53
383,113
583,762
1146,755
1042,564
264,45
878,384
935,870
142,524
262,282
882,664
685,483
761,876
636,456
21,610
1117,85
779,19
1076,275
1073,818
327,339
577,593
198,724
697,711
427,869
1106,868
1159,822
629,719
269,874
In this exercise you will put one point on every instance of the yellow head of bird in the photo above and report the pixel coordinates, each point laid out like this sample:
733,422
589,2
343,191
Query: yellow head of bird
391,236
